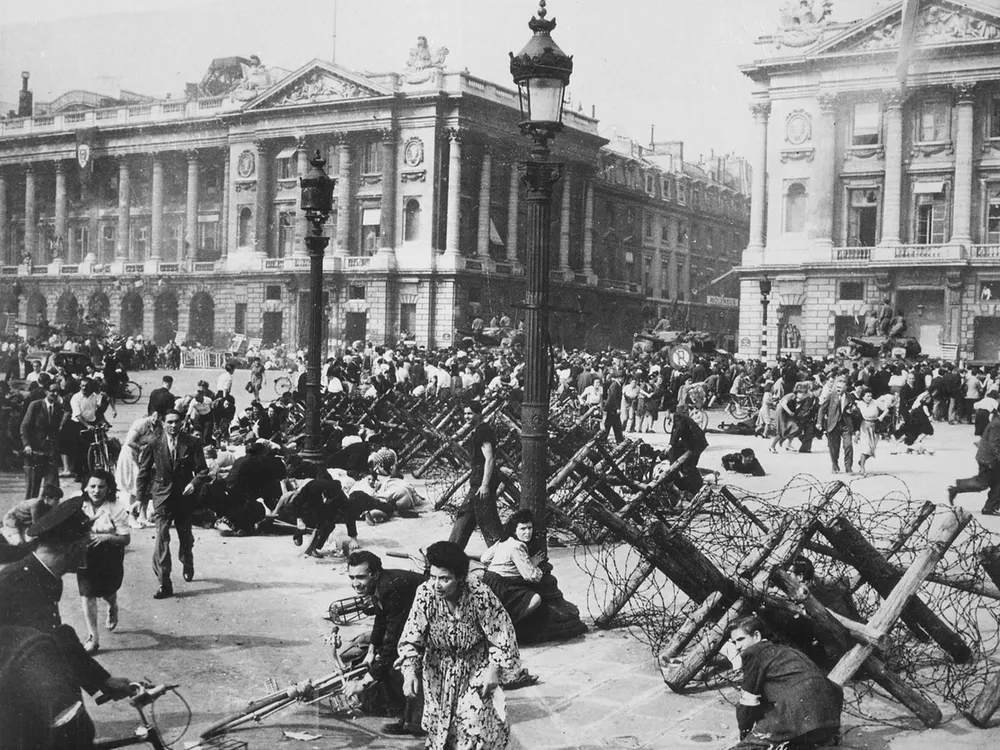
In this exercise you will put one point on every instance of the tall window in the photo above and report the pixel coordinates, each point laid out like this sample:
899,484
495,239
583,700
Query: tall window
931,219
993,214
995,117
286,234
647,225
208,232
371,162
411,220
140,242
80,240
408,317
371,230
240,323
862,218
108,241
933,121
795,208
866,126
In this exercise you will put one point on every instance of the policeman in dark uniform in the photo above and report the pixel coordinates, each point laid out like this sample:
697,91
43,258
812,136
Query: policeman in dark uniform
30,590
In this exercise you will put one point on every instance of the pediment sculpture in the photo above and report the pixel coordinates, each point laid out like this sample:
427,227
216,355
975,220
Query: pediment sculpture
320,86
802,21
936,24
423,63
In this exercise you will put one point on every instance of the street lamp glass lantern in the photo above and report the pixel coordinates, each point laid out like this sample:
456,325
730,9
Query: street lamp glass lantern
541,72
317,189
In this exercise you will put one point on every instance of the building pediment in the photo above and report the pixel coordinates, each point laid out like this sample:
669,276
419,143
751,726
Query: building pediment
937,23
315,83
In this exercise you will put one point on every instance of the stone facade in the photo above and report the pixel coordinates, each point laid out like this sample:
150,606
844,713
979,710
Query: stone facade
179,217
876,176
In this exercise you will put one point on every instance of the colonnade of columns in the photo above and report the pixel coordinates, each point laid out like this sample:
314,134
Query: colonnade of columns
124,249
823,184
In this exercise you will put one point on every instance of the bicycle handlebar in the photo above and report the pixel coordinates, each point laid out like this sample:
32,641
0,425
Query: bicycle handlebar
143,694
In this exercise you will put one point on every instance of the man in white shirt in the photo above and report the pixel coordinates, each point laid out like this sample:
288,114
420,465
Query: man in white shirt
83,416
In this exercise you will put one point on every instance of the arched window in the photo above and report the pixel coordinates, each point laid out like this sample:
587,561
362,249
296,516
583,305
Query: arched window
795,208
246,227
411,220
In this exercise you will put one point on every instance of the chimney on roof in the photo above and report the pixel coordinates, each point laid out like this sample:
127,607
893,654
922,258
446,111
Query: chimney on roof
652,138
25,101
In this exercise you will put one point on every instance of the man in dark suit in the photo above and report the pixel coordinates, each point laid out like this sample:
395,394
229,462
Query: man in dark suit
170,471
30,589
613,406
19,366
39,429
835,418
392,593
161,399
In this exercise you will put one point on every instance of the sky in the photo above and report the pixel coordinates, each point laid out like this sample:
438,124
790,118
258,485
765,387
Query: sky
667,64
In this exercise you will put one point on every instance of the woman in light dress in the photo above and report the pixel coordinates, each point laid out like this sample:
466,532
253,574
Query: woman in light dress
866,436
143,431
464,640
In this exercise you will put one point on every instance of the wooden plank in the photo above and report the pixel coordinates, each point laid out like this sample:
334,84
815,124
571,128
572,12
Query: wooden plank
678,672
694,622
953,521
636,578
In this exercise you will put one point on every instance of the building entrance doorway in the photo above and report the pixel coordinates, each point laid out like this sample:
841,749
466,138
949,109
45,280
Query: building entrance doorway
355,327
273,325
987,340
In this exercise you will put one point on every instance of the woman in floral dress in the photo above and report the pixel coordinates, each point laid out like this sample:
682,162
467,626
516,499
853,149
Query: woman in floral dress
464,640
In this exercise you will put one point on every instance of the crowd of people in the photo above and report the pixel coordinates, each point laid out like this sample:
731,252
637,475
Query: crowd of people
444,642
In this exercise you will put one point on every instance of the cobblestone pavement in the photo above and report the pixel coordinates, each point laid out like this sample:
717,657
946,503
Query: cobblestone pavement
254,611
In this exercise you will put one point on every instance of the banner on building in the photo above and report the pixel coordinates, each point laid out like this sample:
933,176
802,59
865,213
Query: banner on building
85,140
949,352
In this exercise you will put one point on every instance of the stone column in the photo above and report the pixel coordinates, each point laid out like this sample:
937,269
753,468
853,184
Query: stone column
387,230
454,192
226,187
124,207
512,213
758,190
301,223
893,166
61,237
156,220
962,225
31,215
189,250
588,230
672,286
567,192
5,249
262,207
344,207
485,185
822,187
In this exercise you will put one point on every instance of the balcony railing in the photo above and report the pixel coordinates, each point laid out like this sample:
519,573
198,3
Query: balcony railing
922,251
852,253
986,251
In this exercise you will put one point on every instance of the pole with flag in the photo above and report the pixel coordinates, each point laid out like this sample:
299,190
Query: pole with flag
907,27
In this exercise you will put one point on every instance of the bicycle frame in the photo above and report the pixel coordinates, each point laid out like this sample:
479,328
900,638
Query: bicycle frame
147,732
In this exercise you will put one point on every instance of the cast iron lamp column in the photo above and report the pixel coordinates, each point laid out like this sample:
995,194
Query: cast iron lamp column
541,71
765,291
317,202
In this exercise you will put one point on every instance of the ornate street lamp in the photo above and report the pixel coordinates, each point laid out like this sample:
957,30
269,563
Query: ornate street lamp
765,292
317,202
541,71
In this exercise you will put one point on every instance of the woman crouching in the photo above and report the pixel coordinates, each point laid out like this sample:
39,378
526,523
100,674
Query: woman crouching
785,697
511,574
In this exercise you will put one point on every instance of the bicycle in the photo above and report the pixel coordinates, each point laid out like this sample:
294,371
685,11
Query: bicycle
101,453
309,691
742,406
282,385
128,392
145,695
697,414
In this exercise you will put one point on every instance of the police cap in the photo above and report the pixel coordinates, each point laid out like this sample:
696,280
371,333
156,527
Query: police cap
64,524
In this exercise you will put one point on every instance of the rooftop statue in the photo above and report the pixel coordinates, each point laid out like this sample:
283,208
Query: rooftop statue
256,78
802,21
424,64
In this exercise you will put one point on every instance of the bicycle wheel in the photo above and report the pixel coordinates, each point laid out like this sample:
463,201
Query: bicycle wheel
737,410
700,417
98,458
131,392
668,423
282,385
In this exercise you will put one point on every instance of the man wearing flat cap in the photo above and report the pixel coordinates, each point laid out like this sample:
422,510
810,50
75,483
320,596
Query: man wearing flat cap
30,590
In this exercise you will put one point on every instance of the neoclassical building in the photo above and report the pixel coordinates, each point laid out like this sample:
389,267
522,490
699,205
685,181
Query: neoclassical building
177,217
876,176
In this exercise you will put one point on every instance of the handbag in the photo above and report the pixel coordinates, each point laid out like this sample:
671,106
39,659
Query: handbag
249,386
